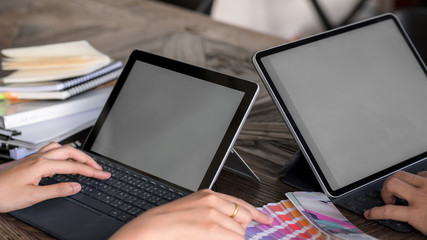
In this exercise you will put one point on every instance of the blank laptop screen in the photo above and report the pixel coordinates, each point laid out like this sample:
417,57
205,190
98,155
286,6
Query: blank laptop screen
167,124
359,99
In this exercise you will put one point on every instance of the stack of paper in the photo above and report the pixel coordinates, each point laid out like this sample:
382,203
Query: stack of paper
52,62
33,124
55,71
65,85
306,215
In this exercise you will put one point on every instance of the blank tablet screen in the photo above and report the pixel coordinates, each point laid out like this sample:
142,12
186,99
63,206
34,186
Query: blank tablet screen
173,127
358,98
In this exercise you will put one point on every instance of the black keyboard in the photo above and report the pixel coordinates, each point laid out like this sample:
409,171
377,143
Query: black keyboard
124,196
372,198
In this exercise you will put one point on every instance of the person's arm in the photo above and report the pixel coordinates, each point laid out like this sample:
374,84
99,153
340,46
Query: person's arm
19,180
413,189
201,215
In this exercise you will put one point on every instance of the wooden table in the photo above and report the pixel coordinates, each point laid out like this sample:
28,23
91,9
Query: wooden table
118,27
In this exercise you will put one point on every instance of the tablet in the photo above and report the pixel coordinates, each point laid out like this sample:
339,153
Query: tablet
172,121
355,100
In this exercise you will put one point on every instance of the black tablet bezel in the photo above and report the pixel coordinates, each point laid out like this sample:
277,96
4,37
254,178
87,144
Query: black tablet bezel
250,90
257,61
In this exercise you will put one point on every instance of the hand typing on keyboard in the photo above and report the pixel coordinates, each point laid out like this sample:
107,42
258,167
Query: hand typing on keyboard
201,215
19,180
409,187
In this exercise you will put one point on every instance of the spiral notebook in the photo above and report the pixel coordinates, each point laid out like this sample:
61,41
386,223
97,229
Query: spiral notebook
69,92
59,85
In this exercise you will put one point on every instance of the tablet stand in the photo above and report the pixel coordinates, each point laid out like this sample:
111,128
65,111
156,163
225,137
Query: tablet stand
297,173
237,165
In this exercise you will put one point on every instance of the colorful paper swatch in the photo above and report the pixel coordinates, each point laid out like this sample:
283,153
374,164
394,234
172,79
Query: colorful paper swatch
321,212
288,223
305,215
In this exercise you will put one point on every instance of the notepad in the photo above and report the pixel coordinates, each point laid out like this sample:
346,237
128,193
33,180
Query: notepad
51,86
52,61
67,93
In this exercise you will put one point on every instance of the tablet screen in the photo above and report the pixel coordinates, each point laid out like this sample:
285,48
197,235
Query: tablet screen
173,126
358,99
172,121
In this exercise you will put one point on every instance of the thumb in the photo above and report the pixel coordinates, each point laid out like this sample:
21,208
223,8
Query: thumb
55,190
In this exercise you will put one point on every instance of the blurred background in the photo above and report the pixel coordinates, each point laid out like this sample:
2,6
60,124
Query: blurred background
294,19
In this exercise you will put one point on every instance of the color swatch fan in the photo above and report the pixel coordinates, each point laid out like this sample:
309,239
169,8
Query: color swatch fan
306,215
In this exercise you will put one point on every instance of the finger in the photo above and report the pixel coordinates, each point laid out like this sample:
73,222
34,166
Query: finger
409,178
8,165
68,152
50,146
41,193
51,167
238,212
396,212
395,186
254,213
208,198
422,174
212,214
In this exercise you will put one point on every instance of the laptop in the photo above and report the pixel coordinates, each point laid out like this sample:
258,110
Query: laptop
165,132
355,100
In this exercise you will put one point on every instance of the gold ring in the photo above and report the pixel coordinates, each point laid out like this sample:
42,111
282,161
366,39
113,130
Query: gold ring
236,209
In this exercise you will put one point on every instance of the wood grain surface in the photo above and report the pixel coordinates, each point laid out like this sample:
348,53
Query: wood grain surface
118,27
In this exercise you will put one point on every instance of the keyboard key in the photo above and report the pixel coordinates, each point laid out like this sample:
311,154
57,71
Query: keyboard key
140,203
90,191
148,206
121,195
130,199
372,195
170,196
135,191
104,187
145,195
107,199
114,191
143,185
116,203
117,174
154,199
99,195
115,212
134,211
351,204
118,184
124,216
128,188
125,206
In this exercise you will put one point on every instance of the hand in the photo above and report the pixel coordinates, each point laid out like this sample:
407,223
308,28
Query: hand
201,215
407,186
19,180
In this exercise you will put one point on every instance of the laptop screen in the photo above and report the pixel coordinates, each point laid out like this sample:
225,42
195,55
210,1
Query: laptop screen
169,124
356,97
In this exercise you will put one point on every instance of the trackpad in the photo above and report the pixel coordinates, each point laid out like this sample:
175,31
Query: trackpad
59,215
